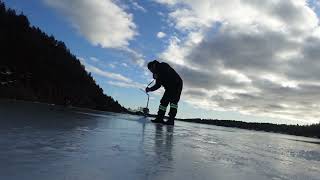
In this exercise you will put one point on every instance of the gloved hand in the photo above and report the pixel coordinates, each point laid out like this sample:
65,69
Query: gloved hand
147,89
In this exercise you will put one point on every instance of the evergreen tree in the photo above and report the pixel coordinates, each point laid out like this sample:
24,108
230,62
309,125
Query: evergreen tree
37,67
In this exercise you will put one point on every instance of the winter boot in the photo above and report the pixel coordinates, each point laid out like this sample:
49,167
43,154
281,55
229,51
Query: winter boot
160,116
170,121
172,114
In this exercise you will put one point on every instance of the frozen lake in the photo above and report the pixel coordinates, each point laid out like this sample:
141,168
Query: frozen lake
42,142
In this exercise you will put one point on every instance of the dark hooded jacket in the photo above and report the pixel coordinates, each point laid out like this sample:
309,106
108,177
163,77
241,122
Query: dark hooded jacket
167,77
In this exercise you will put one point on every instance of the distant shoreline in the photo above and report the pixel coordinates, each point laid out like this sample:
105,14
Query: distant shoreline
312,131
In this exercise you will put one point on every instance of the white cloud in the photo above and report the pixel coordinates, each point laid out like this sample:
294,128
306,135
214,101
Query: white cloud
288,15
161,35
174,53
126,85
94,59
136,57
137,6
107,74
250,56
124,65
112,65
114,79
102,22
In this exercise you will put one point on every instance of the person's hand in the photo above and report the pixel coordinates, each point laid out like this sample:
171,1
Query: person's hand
147,89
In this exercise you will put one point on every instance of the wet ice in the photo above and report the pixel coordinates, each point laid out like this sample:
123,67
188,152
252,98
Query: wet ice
39,141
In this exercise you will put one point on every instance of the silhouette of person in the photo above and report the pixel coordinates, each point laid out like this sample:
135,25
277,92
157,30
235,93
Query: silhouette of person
167,77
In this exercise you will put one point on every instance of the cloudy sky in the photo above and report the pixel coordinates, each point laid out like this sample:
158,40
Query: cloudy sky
247,60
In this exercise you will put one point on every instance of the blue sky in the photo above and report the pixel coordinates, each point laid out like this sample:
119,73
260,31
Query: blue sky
241,60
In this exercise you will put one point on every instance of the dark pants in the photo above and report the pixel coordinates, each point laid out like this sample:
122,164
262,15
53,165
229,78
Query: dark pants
172,96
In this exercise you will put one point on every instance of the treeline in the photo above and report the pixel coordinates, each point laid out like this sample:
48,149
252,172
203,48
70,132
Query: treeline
298,130
37,67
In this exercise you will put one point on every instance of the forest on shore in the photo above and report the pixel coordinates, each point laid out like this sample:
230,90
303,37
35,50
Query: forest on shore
36,67
297,130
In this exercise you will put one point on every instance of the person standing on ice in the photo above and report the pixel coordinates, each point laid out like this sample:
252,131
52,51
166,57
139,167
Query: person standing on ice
167,77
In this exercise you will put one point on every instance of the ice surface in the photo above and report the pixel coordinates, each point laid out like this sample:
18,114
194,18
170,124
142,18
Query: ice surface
40,142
